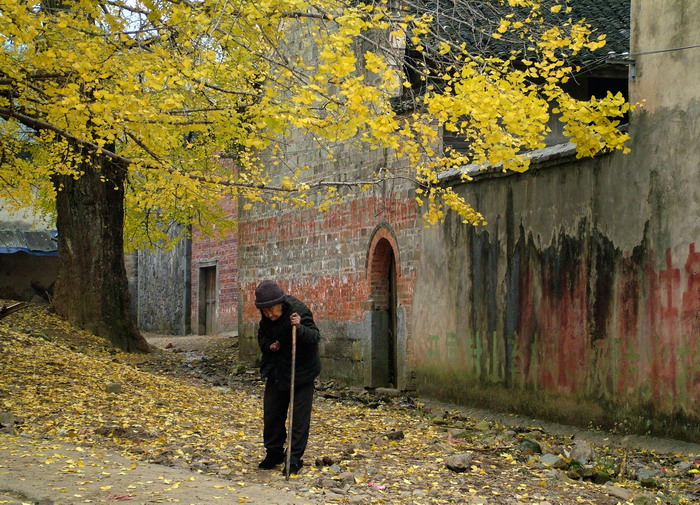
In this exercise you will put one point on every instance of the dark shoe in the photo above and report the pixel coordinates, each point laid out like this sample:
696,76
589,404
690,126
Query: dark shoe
271,461
293,468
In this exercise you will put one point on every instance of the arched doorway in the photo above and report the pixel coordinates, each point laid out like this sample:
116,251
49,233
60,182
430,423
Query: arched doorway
383,346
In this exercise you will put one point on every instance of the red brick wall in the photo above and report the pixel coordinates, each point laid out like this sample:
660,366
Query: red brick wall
221,252
324,258
328,261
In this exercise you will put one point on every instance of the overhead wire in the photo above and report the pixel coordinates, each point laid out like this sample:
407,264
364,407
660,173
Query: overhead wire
658,51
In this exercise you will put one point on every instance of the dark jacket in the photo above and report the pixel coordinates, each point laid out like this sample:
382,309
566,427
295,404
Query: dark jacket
277,365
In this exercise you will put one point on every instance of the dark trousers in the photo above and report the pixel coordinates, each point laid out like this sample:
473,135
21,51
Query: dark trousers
275,405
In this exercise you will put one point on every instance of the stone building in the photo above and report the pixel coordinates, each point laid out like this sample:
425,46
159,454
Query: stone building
579,301
191,288
160,286
28,255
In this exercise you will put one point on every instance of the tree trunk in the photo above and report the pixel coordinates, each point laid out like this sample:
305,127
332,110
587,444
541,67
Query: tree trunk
91,289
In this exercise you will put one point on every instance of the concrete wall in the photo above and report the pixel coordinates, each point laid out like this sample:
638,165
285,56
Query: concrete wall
163,288
580,301
131,264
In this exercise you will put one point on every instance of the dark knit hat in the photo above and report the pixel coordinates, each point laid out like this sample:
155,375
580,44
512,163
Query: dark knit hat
267,294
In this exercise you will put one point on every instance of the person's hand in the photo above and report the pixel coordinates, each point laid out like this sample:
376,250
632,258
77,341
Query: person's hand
296,320
275,346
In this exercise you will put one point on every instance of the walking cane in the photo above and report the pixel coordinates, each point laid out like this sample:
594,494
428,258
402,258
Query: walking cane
291,403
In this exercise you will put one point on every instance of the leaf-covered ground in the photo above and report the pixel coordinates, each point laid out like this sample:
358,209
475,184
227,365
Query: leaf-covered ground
168,407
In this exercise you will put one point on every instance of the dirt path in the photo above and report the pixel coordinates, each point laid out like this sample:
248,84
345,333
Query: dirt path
187,342
49,472
52,473
205,343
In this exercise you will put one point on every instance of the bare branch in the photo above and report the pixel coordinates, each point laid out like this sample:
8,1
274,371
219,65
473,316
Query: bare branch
228,91
300,14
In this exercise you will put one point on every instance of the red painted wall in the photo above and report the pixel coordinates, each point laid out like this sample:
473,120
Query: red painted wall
650,340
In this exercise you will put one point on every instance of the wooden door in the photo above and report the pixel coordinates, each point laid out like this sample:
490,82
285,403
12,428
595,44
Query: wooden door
207,300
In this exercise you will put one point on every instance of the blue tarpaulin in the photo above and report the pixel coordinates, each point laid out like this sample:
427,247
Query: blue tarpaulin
40,243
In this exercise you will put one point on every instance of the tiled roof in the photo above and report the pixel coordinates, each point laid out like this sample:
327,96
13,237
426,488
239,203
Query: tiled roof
611,17
41,243
539,158
473,22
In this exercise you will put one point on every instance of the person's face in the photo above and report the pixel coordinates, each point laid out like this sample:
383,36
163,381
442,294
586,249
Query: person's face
273,313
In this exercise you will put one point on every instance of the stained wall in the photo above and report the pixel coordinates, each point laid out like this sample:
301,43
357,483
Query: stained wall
580,300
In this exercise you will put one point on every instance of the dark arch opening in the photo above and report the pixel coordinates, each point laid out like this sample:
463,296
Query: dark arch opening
384,355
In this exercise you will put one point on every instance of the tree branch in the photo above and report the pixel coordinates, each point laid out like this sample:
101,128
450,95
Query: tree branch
6,310
300,14
38,124
228,91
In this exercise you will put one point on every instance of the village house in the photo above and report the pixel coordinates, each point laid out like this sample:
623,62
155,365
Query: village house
579,301
28,257
191,288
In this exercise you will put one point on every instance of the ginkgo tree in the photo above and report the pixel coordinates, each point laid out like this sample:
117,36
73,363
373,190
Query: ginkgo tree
125,116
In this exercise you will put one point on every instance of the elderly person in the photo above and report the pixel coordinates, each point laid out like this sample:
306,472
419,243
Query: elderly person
279,312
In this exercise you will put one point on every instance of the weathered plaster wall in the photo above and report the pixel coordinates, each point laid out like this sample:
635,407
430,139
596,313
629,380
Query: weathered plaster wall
580,300
665,78
668,126
554,307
